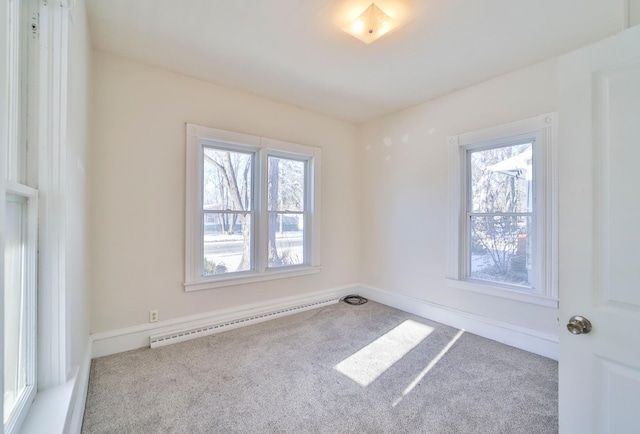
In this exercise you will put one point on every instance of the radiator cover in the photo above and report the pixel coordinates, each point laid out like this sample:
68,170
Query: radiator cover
215,327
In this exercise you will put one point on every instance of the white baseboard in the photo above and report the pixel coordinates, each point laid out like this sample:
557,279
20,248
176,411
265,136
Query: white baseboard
79,398
526,339
131,338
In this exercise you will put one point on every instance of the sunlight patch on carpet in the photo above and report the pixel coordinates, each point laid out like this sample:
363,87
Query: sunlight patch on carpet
431,364
371,361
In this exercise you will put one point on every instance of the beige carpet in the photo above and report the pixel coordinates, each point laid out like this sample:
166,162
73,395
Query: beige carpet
337,369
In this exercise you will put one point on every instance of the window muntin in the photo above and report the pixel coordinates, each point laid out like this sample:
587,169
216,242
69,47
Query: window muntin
286,207
227,211
500,214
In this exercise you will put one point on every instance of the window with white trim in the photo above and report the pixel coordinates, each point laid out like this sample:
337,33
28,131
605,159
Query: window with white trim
253,208
502,209
20,211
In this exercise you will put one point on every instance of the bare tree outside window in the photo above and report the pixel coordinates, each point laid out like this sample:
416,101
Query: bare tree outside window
227,203
227,211
500,213
286,207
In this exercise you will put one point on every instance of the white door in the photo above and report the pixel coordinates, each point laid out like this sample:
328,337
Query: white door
599,230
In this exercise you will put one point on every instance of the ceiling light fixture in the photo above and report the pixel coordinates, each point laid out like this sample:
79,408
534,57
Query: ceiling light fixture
370,25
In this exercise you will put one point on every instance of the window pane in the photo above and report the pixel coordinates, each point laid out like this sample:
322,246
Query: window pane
227,243
17,97
286,184
501,249
286,239
226,179
501,179
15,338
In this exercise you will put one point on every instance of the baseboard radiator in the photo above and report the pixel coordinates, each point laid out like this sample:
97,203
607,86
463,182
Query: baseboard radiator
215,327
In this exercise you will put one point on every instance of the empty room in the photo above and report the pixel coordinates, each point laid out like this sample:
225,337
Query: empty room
327,216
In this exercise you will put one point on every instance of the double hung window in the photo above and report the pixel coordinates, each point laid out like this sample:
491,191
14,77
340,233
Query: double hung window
252,208
502,211
500,216
19,218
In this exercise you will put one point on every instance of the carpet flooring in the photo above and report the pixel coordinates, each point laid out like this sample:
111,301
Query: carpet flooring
336,369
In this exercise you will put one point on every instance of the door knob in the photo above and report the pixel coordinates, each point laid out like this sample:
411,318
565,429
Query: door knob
579,325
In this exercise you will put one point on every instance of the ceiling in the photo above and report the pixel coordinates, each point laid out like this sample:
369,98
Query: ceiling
294,51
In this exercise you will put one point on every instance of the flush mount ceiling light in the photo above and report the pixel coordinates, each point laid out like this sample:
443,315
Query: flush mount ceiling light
370,25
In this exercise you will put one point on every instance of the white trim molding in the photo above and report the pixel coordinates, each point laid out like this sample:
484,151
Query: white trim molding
533,341
75,416
225,281
506,292
52,118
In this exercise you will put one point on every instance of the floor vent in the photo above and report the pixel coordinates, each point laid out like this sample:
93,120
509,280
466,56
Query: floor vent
218,327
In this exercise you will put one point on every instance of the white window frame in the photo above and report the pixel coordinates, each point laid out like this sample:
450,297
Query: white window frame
273,149
541,130
30,197
534,139
19,173
262,148
48,25
55,19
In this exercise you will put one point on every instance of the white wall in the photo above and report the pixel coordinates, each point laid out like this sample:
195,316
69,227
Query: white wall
404,191
138,190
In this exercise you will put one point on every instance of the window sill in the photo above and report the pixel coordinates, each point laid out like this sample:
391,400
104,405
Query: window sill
221,282
503,292
50,410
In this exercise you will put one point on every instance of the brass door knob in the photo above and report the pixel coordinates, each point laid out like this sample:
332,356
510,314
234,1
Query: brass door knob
579,325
